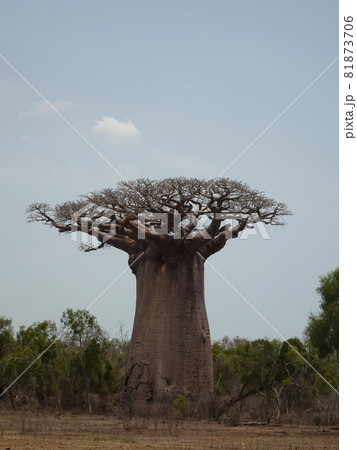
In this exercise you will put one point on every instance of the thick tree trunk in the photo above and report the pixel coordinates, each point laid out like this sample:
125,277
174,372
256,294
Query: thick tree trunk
170,351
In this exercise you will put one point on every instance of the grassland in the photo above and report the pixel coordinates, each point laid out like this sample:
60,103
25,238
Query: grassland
39,430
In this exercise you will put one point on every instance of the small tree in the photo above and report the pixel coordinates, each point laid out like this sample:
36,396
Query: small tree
6,336
182,405
322,331
292,377
8,370
168,228
243,368
35,344
85,347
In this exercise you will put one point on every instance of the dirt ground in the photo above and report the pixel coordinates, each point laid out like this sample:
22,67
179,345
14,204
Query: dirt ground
38,430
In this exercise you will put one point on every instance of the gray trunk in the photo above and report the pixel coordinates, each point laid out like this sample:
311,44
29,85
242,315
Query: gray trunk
170,350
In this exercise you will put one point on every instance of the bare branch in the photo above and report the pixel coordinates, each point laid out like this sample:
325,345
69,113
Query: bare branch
112,214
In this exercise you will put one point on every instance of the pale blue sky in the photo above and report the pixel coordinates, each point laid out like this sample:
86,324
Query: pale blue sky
190,85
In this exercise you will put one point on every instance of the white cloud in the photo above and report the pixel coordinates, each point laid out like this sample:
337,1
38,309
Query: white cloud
114,130
42,108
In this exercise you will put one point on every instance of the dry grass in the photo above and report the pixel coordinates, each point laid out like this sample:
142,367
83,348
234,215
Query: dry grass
39,430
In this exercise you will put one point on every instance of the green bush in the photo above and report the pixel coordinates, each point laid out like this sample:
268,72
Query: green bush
182,404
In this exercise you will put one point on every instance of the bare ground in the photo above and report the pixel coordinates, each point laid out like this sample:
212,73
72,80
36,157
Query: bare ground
39,430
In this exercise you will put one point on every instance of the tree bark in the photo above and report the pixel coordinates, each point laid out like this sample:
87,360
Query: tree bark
170,350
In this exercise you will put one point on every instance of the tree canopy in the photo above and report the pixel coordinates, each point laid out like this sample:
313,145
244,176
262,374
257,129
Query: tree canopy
156,212
329,289
322,331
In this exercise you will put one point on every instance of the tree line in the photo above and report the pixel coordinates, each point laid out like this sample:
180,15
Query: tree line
64,366
77,365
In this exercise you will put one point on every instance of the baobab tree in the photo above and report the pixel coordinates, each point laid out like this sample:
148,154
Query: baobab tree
168,228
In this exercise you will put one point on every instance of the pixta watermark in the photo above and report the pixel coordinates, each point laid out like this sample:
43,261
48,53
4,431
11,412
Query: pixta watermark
103,224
